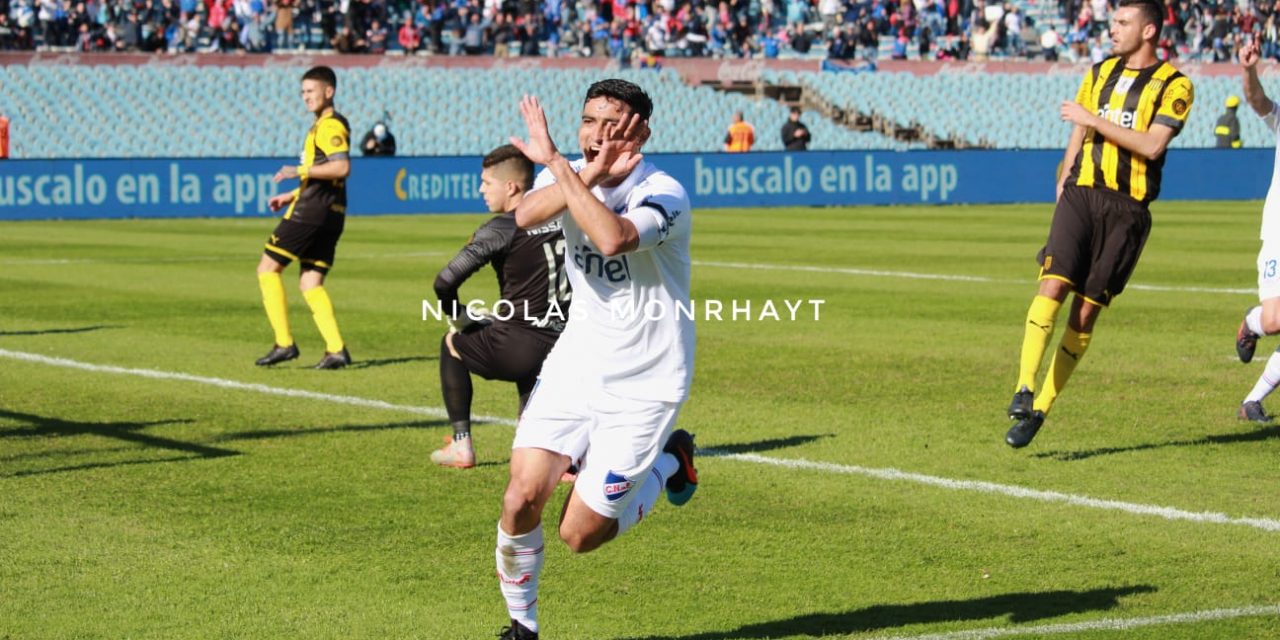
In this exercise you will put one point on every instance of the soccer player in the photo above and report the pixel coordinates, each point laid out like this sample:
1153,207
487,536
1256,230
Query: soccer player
530,267
311,225
610,391
1265,318
1128,109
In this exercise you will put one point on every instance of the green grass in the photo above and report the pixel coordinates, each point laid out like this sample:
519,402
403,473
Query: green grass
145,508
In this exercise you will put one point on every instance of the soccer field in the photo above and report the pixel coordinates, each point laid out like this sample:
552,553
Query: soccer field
855,482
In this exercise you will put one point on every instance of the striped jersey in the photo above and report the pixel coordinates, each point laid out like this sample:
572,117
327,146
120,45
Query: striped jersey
319,202
1134,99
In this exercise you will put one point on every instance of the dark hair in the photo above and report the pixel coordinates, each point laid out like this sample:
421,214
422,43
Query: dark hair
795,110
1152,11
323,74
509,153
625,92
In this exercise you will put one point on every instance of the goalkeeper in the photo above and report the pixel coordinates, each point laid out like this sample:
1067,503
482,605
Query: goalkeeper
530,269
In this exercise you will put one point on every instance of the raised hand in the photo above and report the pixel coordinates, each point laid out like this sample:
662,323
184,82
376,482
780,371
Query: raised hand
620,150
1249,54
540,147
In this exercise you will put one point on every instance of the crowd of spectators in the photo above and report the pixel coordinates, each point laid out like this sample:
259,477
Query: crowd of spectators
627,29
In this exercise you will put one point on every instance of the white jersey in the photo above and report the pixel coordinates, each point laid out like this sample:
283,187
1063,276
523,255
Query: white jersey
631,323
1271,209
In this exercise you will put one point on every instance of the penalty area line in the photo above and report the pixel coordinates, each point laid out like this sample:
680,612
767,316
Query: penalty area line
1013,491
1107,624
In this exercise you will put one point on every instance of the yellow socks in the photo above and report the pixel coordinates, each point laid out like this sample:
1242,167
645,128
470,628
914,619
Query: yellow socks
1064,362
1039,328
322,312
277,307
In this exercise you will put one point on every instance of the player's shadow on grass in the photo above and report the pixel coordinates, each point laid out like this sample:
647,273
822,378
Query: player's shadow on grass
1016,607
369,364
257,434
761,446
43,332
1257,435
45,426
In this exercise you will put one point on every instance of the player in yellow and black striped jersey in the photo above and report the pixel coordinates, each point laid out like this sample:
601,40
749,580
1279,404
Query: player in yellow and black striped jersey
315,214
1127,111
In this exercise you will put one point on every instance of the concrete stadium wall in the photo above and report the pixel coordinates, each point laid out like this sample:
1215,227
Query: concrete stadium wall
188,187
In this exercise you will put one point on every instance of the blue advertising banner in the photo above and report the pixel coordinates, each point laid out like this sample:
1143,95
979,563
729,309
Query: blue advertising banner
221,187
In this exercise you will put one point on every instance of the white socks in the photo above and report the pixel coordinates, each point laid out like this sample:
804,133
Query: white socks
1253,320
648,491
519,564
519,558
1267,381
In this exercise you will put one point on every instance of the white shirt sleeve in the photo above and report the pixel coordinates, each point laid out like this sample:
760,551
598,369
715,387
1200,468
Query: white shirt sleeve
1272,119
656,218
544,178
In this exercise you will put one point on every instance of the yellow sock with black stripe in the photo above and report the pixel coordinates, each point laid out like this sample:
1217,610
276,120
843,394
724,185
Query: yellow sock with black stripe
277,306
1064,362
1039,328
322,312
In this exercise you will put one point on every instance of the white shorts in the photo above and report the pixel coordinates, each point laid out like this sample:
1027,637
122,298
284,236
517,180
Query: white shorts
1269,270
614,440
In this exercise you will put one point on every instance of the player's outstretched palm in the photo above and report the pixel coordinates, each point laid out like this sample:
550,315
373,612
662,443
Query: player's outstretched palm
539,148
620,150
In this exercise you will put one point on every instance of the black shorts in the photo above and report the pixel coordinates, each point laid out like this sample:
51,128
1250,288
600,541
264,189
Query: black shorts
504,351
312,245
1094,242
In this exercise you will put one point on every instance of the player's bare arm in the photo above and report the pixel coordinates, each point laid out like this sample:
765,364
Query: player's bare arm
541,205
1149,144
335,169
287,172
544,204
611,233
282,200
1069,158
1253,91
616,156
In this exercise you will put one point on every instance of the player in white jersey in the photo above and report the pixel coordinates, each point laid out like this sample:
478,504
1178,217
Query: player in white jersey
1265,318
611,388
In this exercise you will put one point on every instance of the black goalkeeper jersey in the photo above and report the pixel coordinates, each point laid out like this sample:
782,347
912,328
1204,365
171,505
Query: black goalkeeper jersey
530,268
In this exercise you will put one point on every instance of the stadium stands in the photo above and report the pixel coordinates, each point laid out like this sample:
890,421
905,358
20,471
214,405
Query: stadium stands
62,111
1006,110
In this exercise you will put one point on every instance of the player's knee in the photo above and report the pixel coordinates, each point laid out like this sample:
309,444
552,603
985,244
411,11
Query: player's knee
580,541
1054,288
1271,324
520,498
267,265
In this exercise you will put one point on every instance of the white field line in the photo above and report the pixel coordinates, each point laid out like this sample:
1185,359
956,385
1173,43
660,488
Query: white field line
223,383
1012,491
913,275
1106,624
185,259
1168,513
